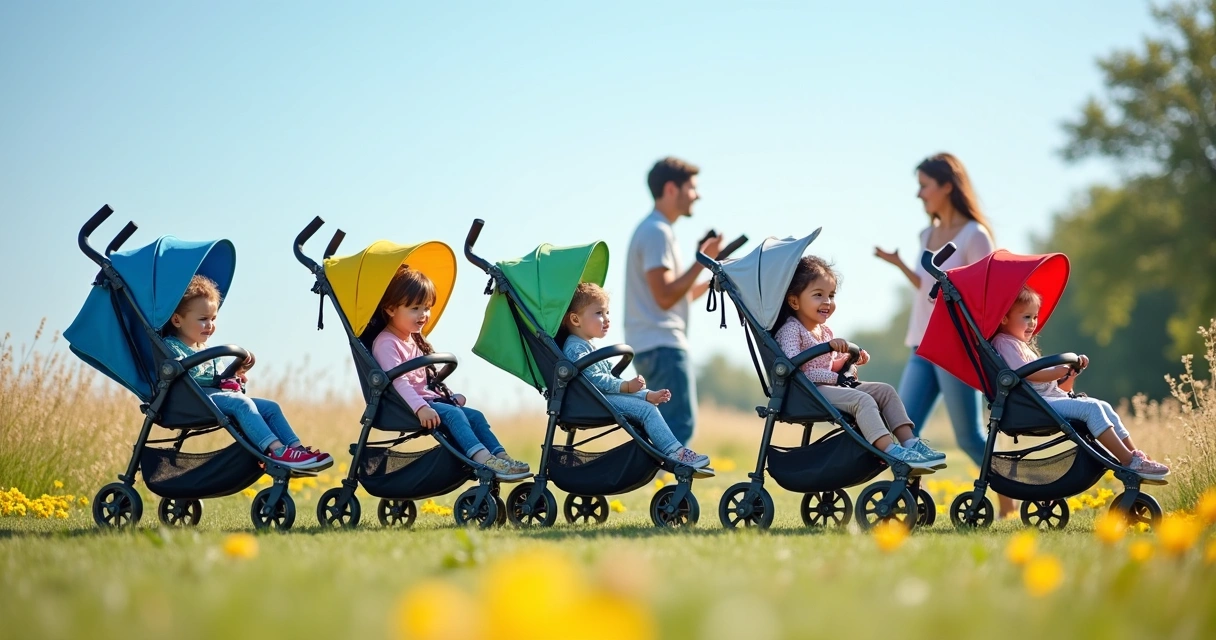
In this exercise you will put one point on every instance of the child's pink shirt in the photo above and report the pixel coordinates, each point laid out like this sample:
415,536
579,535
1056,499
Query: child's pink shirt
795,338
390,351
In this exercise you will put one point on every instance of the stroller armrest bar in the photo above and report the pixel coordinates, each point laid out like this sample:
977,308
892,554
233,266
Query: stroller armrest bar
423,361
470,240
1070,359
810,354
933,261
624,351
211,353
301,239
122,237
82,239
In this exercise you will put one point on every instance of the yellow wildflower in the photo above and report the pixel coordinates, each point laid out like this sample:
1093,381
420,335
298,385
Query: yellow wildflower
1206,508
1043,575
1075,504
437,610
83,501
1209,554
1177,534
1140,551
249,492
725,464
617,506
61,514
58,484
658,484
890,535
241,545
432,507
1110,527
1021,548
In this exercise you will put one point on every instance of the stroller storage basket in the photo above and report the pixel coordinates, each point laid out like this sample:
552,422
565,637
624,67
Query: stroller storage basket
835,462
176,474
1058,476
618,470
410,475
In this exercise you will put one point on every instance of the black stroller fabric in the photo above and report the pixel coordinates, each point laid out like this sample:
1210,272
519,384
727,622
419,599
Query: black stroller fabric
833,462
618,470
176,474
410,475
1058,476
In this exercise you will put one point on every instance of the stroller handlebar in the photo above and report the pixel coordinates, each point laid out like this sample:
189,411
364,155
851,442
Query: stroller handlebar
624,351
332,248
723,253
425,361
122,237
470,240
211,353
82,239
304,236
932,262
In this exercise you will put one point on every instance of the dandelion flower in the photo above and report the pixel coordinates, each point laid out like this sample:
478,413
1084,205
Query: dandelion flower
658,484
58,484
1140,551
890,535
1043,575
1206,509
250,492
61,514
241,545
1209,554
83,501
1110,527
725,464
617,506
1177,534
1021,548
437,610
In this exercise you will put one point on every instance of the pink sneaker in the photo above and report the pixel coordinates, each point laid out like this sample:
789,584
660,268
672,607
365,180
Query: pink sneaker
1147,469
294,458
322,457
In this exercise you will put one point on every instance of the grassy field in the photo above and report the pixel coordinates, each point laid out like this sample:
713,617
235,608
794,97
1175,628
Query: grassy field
61,577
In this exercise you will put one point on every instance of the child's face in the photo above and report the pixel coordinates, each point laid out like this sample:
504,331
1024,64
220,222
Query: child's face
816,303
196,322
592,322
1021,321
409,319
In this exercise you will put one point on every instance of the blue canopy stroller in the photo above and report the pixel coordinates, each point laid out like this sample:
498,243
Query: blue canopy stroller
117,332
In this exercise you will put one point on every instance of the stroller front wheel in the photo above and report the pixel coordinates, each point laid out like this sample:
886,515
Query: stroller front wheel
735,509
117,506
966,513
665,513
484,516
820,509
281,515
332,513
874,506
1045,514
177,512
523,514
1145,510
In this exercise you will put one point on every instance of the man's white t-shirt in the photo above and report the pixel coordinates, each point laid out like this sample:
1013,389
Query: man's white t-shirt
647,325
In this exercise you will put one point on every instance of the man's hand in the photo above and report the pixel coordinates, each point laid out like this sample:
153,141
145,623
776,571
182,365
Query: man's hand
711,246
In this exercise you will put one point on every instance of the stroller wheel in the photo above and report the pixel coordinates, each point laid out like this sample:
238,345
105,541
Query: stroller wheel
666,514
820,509
281,516
521,514
735,509
502,509
178,512
1045,514
873,506
1145,510
117,506
964,513
926,509
396,513
585,508
484,516
333,515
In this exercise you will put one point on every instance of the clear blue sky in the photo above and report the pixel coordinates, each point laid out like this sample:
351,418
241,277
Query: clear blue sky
407,120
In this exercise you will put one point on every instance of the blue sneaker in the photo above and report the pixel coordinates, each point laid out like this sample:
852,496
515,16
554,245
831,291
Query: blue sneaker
912,457
924,449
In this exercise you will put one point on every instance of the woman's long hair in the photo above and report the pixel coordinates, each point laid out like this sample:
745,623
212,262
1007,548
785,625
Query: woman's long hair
944,168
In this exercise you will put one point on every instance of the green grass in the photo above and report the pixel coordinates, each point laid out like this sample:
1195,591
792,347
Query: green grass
64,578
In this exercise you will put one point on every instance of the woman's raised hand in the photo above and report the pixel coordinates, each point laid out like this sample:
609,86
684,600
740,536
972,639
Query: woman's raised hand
891,257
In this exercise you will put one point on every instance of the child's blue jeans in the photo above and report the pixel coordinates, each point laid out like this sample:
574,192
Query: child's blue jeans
261,420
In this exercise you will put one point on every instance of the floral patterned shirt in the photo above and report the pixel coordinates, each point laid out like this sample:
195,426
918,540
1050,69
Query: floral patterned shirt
795,338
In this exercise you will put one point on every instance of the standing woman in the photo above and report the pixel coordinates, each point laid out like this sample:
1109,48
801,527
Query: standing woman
954,216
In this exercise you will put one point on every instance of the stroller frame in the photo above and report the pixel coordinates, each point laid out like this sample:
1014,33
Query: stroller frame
338,507
533,502
749,503
118,504
974,509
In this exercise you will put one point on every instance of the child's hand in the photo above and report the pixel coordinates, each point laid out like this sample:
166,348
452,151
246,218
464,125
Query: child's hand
658,397
459,398
839,345
247,364
863,358
633,386
1084,361
429,417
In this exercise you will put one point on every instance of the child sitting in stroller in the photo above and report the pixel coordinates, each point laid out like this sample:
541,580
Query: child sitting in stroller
262,420
587,319
1015,343
809,301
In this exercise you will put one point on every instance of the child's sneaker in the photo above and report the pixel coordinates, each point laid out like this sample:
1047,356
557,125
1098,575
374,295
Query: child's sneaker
294,458
1146,468
922,448
517,466
688,457
503,469
912,457
322,457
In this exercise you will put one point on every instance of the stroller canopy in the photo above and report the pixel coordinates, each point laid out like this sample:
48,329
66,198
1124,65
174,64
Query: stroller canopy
545,281
763,275
359,281
989,288
107,333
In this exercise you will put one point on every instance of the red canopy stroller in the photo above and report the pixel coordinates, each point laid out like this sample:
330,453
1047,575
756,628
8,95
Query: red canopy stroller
971,301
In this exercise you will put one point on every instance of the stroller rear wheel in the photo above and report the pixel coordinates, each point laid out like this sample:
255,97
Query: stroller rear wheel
585,508
735,509
1045,514
872,506
502,510
819,509
396,513
926,509
333,512
117,506
484,515
664,513
281,516
178,512
521,514
1145,510
964,513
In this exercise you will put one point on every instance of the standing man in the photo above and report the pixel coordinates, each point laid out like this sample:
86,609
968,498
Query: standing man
658,289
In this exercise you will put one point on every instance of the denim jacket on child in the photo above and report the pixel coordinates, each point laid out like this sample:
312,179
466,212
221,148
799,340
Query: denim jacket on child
600,373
